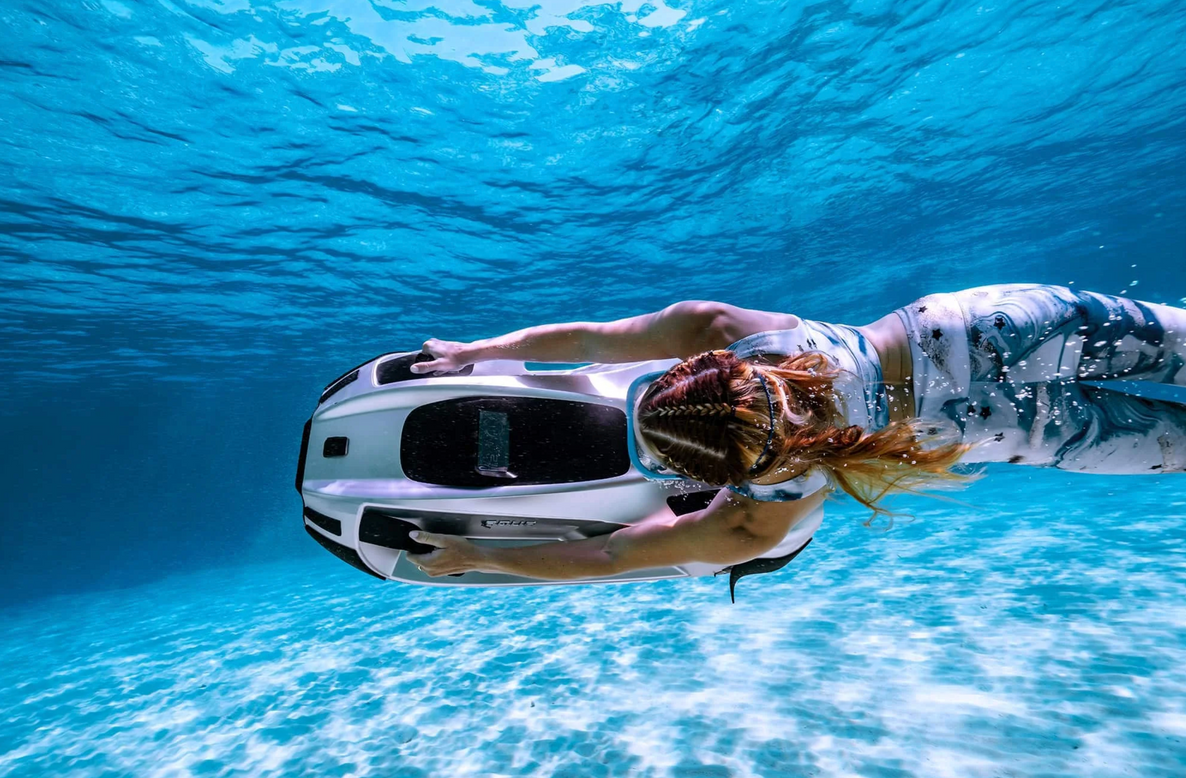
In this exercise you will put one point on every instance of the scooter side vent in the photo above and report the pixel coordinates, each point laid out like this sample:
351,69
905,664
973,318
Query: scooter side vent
327,523
335,447
347,555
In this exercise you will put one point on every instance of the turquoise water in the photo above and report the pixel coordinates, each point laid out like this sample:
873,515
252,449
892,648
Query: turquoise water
210,209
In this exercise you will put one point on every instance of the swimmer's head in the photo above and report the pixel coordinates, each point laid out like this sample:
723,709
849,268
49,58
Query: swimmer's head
722,420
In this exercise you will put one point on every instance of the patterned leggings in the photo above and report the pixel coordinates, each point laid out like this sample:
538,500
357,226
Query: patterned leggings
1007,365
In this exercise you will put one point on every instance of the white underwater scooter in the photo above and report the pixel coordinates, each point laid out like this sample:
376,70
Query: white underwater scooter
495,452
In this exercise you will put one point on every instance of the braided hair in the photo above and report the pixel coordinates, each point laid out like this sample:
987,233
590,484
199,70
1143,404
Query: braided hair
709,419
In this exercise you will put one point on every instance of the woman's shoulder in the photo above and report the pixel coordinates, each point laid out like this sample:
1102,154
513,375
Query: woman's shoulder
737,324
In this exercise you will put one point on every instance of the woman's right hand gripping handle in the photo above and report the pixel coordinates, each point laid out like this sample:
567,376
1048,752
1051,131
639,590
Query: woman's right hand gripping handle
447,356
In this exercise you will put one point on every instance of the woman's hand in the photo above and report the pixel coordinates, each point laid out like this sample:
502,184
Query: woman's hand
448,356
453,555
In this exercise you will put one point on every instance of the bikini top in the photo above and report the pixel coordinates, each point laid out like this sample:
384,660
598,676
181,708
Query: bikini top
860,393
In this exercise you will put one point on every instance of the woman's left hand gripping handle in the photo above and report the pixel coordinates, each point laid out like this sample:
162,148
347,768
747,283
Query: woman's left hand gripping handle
454,555
447,357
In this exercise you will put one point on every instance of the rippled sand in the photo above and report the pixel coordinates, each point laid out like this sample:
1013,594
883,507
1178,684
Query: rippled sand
1003,640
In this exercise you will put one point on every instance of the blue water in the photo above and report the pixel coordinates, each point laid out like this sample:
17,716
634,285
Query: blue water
210,209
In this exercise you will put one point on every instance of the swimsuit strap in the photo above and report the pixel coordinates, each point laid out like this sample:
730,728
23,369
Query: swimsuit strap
770,433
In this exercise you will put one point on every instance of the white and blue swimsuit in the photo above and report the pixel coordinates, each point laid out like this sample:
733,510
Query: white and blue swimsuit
1010,366
1021,370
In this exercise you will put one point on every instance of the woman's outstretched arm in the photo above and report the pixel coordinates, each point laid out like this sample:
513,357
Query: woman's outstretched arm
731,530
678,331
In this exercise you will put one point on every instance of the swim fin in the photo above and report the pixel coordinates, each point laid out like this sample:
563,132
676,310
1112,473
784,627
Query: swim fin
759,566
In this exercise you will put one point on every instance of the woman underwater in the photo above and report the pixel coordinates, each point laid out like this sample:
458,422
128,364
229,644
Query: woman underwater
782,410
